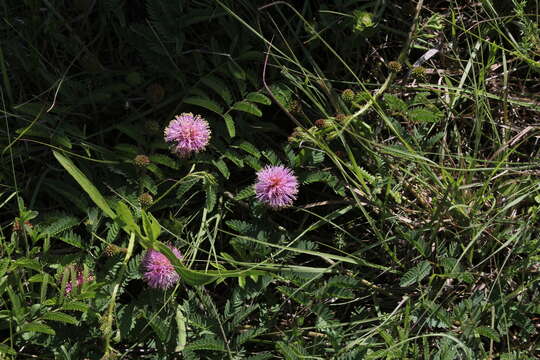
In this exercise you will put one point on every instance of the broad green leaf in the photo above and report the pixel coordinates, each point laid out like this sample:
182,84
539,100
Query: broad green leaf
37,327
36,278
15,300
149,184
271,156
205,103
182,333
234,157
146,226
258,98
416,274
488,332
85,183
60,317
206,343
75,306
253,162
3,284
240,226
43,290
292,351
211,197
155,170
164,160
27,263
61,225
395,103
229,122
246,192
247,107
61,140
72,239
155,226
219,86
236,70
250,148
222,167
157,325
186,185
126,217
4,266
49,302
151,226
4,349
423,114
466,277
322,176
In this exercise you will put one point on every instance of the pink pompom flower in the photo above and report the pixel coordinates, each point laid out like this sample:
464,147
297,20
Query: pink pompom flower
276,186
188,133
159,273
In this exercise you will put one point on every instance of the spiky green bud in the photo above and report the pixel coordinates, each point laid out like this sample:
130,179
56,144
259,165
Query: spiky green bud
112,250
347,95
145,199
394,66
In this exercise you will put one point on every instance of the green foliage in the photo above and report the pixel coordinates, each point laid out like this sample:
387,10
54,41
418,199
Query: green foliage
416,274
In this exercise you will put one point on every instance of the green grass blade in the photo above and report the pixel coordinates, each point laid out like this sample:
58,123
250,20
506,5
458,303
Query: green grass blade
85,183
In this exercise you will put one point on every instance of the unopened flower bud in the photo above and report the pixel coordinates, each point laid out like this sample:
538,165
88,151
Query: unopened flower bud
141,161
321,123
340,117
394,66
112,250
347,95
145,199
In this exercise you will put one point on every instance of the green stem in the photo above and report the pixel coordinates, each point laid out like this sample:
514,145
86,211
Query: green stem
107,329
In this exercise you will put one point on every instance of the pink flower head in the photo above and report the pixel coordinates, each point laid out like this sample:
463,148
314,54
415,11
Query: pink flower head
159,273
188,133
276,186
79,279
